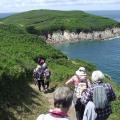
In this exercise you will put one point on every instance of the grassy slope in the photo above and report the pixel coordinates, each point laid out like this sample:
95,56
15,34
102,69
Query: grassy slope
116,104
50,20
18,53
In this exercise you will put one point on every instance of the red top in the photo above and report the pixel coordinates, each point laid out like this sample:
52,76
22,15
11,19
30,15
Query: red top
56,112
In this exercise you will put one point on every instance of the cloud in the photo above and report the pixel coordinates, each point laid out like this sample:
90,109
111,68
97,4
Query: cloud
22,5
85,2
47,2
78,1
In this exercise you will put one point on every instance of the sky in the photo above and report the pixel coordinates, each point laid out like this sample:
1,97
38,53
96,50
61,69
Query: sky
7,6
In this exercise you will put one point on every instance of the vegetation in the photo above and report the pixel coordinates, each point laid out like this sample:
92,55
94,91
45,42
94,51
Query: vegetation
42,22
18,55
19,51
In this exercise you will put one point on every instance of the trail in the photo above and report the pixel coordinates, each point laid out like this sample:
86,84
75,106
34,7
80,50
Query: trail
71,113
49,97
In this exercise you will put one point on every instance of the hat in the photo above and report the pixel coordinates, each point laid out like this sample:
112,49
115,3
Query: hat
97,75
81,71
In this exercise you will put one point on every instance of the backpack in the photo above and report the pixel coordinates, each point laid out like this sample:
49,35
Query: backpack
38,73
100,97
35,74
82,86
47,73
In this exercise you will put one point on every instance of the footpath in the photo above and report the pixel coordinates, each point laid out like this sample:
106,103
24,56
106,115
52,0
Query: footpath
71,113
49,97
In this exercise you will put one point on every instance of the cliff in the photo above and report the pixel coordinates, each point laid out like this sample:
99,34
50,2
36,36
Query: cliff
66,36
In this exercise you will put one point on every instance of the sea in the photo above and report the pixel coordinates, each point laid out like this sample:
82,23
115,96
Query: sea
3,15
104,54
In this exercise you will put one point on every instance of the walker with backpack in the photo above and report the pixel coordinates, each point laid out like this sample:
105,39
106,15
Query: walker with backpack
41,74
83,84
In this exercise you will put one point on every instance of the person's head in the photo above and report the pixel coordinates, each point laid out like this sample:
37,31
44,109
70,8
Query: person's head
97,76
63,97
81,72
41,60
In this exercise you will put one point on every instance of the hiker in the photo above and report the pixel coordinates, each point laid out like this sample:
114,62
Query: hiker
47,75
101,94
81,83
38,73
62,101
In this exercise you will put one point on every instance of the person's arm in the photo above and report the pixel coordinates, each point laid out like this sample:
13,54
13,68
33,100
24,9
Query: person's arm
86,96
89,83
71,80
112,95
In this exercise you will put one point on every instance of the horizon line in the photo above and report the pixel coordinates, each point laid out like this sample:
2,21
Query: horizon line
57,10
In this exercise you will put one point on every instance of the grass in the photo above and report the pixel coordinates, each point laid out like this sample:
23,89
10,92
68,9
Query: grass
115,104
42,22
18,55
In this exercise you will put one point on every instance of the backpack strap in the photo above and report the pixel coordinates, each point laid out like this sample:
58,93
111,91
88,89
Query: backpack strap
85,81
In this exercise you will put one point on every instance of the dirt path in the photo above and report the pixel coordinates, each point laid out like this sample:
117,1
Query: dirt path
49,97
71,113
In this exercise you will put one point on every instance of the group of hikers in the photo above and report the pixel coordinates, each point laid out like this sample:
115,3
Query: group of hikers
41,75
91,98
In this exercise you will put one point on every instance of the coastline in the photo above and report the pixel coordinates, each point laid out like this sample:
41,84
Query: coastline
60,37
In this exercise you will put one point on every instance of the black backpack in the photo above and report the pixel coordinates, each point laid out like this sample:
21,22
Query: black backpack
38,74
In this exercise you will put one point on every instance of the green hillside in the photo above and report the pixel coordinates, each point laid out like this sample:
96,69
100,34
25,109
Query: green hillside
45,21
18,55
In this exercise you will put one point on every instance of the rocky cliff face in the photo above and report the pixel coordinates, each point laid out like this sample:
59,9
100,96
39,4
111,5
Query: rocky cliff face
66,36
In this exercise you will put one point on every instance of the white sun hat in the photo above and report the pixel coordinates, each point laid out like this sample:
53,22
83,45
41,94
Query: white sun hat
81,71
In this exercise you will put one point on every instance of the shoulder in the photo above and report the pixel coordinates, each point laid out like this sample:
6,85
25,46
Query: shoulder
41,117
44,117
49,117
107,85
72,78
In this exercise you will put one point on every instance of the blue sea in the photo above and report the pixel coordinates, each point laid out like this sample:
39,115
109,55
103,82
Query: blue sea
3,15
114,14
104,54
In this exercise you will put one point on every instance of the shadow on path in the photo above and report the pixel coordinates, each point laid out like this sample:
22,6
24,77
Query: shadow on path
16,99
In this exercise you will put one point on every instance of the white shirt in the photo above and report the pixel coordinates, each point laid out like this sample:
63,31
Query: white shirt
49,117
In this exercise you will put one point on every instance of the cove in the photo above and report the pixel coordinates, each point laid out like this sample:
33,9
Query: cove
104,54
